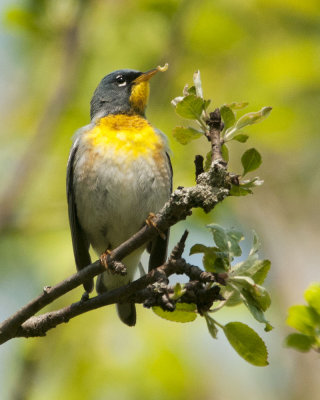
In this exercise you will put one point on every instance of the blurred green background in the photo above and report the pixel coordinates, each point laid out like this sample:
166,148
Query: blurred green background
53,54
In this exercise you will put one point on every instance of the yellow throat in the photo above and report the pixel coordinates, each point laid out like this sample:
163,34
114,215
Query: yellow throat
130,136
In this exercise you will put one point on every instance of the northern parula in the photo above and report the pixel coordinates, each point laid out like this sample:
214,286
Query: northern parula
119,172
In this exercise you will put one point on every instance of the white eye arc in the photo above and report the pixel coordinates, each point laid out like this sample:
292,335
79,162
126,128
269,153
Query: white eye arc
121,80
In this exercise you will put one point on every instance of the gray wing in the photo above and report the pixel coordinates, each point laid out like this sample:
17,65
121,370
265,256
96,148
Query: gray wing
79,240
158,247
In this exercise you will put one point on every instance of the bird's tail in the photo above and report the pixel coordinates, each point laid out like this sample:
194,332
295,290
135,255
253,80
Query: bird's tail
127,313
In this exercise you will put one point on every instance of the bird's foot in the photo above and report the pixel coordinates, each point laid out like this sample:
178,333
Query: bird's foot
115,267
150,222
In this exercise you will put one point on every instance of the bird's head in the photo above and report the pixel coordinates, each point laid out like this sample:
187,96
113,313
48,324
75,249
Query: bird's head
124,91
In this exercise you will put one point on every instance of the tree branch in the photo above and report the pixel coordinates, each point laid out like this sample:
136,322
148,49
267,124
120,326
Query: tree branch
214,135
143,290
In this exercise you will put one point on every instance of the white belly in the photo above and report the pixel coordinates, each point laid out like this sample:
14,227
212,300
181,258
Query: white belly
113,199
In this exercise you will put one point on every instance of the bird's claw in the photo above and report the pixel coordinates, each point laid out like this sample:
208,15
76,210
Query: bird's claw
115,267
104,258
150,222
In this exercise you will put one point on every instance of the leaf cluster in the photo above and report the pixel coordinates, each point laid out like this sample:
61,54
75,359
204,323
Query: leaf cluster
241,285
192,106
306,320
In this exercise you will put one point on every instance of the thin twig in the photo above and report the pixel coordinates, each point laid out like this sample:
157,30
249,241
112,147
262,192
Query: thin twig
216,126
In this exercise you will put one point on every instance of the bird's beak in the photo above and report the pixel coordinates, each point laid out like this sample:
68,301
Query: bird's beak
145,76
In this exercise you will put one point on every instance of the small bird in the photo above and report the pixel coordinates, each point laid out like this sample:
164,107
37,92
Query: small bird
119,172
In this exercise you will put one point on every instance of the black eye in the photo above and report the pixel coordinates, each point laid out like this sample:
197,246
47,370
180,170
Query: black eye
121,80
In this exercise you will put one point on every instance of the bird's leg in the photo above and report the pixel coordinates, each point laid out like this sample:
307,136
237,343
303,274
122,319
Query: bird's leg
115,267
85,296
150,222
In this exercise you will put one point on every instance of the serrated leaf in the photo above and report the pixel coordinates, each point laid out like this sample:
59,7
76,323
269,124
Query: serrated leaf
253,117
312,296
247,343
241,137
183,313
250,160
197,83
237,106
304,319
225,152
190,107
186,135
228,117
212,327
300,342
237,190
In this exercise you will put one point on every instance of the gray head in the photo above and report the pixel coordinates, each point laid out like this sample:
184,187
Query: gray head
124,91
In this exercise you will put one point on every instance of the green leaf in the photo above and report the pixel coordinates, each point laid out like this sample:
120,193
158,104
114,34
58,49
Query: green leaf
179,291
304,319
262,271
198,248
312,296
237,190
237,106
183,313
253,117
206,104
247,343
258,314
219,236
225,152
228,117
227,240
250,160
242,138
186,135
189,90
212,327
255,245
259,296
209,259
190,107
300,342
256,269
234,238
232,296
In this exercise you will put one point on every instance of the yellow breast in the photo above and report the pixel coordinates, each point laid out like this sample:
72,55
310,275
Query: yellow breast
128,135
